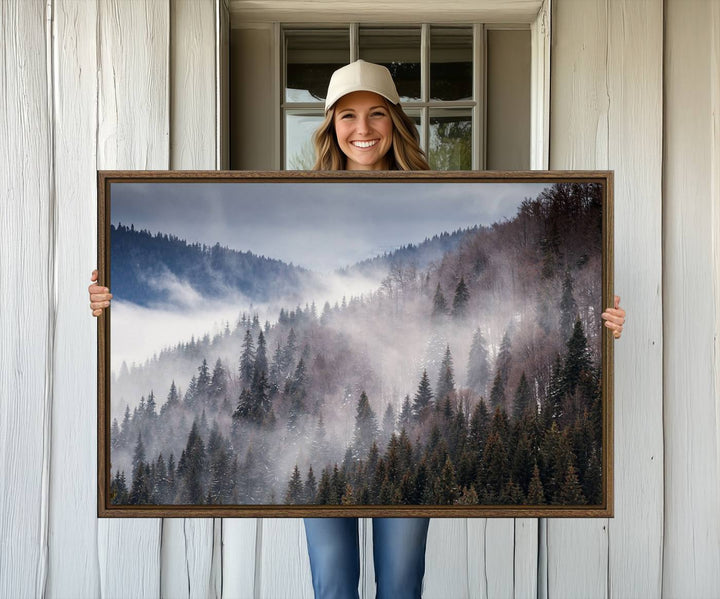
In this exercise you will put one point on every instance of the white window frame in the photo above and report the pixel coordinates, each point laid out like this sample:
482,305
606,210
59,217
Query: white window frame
476,106
540,28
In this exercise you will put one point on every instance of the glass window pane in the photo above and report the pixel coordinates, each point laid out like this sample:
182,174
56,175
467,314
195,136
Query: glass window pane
450,139
311,58
398,50
414,115
299,149
451,68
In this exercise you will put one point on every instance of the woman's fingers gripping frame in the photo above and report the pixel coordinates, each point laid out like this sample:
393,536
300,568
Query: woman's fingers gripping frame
99,296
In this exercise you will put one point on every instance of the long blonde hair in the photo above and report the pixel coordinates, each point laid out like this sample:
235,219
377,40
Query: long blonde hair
405,154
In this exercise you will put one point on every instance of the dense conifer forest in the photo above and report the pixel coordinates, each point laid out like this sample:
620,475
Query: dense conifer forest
471,378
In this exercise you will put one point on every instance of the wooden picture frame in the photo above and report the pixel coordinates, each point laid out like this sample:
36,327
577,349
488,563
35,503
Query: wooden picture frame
432,344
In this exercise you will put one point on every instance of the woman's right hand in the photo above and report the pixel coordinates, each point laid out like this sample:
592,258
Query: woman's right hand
99,296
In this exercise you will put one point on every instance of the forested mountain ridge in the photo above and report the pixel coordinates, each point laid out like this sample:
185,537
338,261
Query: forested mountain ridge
145,268
420,255
476,379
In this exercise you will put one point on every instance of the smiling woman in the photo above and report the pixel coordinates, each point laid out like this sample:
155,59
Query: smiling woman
365,128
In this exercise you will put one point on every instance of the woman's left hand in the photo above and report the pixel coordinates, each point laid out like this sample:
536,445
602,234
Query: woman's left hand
615,318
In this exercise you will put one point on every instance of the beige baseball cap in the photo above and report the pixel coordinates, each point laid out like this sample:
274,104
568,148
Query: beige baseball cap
361,76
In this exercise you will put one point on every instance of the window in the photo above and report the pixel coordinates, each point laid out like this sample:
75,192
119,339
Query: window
466,86
433,67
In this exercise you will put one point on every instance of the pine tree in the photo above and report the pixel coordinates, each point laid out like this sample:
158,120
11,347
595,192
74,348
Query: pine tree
294,493
460,301
366,428
523,398
218,382
125,427
571,491
203,381
388,423
275,370
140,489
244,407
446,489
348,496
260,394
495,466
114,434
247,358
219,466
192,467
296,392
190,394
504,358
446,378
172,398
423,397
151,407
512,493
440,308
497,393
479,426
468,496
536,495
261,362
288,353
310,489
405,414
592,482
554,409
118,489
577,361
568,307
324,491
161,481
478,366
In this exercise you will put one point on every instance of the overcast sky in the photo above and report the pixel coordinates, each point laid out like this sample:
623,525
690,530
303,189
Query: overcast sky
321,226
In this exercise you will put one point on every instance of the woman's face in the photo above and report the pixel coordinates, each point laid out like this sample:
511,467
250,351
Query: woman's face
364,130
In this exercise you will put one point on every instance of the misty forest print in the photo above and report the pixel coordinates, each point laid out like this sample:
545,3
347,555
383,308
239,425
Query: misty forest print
315,343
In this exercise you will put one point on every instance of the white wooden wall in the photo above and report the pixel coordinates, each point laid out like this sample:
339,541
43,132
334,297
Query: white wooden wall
120,84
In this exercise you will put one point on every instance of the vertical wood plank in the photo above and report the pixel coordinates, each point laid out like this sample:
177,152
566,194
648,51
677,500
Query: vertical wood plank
26,297
692,402
446,559
187,544
525,572
239,558
73,561
577,550
491,557
193,85
284,569
133,132
635,86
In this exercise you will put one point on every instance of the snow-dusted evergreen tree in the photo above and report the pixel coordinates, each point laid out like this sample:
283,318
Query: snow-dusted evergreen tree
247,358
406,414
440,308
460,300
446,377
366,427
261,361
478,366
423,397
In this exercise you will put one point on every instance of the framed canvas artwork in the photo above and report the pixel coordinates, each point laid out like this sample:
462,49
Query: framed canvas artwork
355,344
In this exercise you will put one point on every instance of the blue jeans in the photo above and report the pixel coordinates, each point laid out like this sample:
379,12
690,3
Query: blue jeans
398,552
